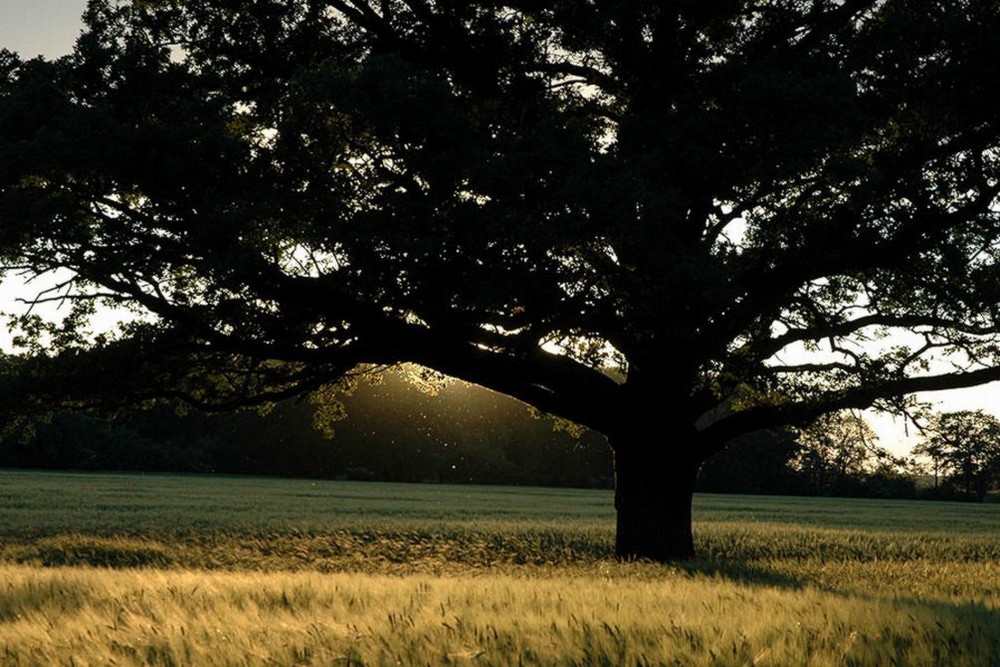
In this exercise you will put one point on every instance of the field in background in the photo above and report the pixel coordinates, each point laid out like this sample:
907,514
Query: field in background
174,570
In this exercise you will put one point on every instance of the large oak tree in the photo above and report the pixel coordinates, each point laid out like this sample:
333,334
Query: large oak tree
672,221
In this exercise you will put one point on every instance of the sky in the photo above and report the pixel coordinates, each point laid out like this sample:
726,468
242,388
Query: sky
32,28
40,27
49,27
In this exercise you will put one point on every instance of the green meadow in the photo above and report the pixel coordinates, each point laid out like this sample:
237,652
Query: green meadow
101,569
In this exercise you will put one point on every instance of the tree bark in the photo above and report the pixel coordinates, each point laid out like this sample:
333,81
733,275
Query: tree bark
653,494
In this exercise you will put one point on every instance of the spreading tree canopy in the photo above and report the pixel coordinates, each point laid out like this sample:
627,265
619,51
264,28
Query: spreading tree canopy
672,221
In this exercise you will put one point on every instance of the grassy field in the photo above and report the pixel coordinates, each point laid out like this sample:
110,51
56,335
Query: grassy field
174,570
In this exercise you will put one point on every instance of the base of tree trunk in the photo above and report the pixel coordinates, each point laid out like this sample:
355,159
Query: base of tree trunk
653,502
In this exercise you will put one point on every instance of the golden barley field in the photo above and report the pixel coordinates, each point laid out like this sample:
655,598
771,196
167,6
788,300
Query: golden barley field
104,569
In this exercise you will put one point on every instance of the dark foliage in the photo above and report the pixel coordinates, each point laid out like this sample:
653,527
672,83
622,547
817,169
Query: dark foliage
391,433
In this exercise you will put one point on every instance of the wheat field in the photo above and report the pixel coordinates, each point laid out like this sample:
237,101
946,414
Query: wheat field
174,570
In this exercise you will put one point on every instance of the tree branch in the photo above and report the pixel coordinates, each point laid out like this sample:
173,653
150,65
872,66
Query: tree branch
840,329
715,435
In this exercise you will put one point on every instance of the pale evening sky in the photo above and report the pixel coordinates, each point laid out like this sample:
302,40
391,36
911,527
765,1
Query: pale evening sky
49,27
40,27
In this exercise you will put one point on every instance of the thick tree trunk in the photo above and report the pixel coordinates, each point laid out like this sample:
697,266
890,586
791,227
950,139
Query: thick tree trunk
653,500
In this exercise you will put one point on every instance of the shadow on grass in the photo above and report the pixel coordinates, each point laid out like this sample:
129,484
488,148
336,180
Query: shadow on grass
76,550
741,571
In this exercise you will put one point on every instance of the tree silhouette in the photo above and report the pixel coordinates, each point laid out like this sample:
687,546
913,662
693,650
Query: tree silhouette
965,445
674,222
838,449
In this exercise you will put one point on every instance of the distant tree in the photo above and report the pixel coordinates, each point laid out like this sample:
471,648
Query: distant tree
838,449
965,447
933,452
840,454
729,202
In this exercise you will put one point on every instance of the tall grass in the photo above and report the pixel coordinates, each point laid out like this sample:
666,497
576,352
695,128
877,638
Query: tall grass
661,616
168,570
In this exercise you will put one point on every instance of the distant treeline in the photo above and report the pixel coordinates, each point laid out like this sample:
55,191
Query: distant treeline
393,432
781,464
